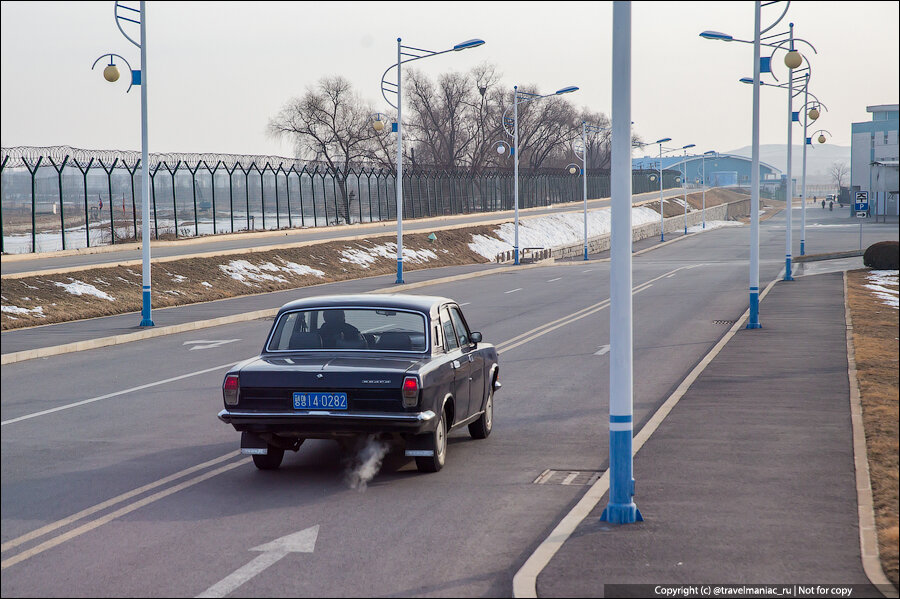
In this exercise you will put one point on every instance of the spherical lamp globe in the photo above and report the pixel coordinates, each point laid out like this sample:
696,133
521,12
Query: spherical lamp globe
814,113
792,59
501,149
111,73
822,139
572,170
378,124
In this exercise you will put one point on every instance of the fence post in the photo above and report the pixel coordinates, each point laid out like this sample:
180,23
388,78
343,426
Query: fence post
62,221
112,217
2,232
131,173
33,174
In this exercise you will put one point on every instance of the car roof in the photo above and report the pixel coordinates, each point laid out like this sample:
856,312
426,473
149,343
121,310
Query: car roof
421,303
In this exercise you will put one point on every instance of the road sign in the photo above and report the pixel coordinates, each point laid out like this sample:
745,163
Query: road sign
862,202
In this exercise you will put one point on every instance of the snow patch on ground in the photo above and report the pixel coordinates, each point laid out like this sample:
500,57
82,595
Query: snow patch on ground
878,280
554,230
179,278
81,288
247,272
714,224
205,284
36,311
364,257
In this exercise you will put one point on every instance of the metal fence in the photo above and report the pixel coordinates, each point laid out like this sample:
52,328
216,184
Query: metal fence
62,198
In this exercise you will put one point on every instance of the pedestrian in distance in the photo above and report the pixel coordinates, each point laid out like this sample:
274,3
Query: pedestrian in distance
823,204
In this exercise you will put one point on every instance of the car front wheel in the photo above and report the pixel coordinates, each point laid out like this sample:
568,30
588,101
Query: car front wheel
438,444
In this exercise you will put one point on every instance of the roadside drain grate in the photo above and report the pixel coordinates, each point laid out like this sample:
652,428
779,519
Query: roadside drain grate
723,322
567,477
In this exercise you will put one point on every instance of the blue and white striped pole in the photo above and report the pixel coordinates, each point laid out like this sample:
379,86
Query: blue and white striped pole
146,319
621,508
789,188
399,182
753,322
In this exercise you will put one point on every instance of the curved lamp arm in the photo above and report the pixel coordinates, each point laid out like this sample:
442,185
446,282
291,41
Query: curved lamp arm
111,63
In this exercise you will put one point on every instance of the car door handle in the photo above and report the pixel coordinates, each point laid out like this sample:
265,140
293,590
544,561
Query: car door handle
471,358
455,364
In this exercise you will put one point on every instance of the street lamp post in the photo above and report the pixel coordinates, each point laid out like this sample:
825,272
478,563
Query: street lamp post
662,219
514,134
111,74
758,31
703,160
397,88
684,184
621,508
585,128
809,113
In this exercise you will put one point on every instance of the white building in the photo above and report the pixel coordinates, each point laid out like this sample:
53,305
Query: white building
874,155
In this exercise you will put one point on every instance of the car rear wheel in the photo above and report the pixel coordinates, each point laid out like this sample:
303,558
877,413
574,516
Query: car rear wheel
438,444
481,428
270,461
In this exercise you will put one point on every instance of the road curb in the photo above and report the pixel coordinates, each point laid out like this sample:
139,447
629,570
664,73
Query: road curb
868,532
829,256
55,350
525,580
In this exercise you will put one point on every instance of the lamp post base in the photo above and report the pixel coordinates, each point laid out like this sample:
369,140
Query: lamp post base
802,248
787,270
516,257
146,320
621,513
399,280
753,322
585,253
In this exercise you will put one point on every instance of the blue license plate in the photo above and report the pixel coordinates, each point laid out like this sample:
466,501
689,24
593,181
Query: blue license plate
320,401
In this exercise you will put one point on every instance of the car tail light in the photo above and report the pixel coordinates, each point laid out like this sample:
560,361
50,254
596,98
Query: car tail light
410,391
230,389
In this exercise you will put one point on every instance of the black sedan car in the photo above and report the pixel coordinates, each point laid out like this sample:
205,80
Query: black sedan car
338,367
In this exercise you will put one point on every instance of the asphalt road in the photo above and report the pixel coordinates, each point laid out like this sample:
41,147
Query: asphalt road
232,243
167,507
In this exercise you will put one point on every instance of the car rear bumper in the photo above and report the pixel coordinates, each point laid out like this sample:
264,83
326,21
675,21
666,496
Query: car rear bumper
326,422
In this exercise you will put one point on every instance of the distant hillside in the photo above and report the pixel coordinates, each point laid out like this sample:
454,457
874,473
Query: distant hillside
819,158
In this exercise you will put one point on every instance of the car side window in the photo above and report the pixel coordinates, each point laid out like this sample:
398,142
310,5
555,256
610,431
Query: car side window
461,330
449,334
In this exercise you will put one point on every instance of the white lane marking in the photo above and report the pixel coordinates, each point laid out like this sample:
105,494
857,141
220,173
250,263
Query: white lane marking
464,304
111,502
298,542
89,526
208,344
513,290
603,349
551,280
568,480
543,477
671,275
588,270
123,392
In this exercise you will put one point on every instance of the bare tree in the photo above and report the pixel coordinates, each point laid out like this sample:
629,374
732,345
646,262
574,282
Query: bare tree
329,123
838,172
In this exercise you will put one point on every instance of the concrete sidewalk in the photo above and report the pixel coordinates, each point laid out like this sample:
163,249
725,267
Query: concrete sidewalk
750,479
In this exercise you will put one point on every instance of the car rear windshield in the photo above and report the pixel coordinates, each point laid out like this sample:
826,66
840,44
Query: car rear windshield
360,329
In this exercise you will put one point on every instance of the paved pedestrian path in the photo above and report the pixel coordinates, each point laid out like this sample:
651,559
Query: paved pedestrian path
750,479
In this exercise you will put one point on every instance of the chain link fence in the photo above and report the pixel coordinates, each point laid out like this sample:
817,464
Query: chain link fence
59,198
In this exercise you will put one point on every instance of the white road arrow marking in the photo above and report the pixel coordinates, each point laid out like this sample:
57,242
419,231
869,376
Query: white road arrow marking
603,349
208,344
298,542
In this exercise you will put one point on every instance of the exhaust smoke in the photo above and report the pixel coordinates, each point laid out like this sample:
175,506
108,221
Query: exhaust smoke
364,461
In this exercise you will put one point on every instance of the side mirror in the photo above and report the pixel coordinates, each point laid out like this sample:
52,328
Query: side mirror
475,337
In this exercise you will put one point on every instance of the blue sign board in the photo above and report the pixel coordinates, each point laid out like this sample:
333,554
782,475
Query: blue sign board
862,202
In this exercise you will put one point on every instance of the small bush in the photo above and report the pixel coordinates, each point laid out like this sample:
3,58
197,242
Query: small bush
884,255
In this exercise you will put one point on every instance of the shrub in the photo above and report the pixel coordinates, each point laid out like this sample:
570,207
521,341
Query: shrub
884,255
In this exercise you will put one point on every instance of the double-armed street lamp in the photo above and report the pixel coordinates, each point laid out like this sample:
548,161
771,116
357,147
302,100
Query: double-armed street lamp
580,151
703,161
514,134
793,60
811,111
758,67
683,184
662,218
137,16
389,87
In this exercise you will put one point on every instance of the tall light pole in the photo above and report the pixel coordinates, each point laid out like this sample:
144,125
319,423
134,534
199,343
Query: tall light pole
753,321
514,134
662,218
582,153
809,114
111,74
703,159
684,184
397,88
621,508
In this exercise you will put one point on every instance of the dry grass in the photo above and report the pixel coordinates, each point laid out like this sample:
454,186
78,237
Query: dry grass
875,333
193,280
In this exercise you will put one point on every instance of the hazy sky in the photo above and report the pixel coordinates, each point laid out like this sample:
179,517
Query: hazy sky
217,71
